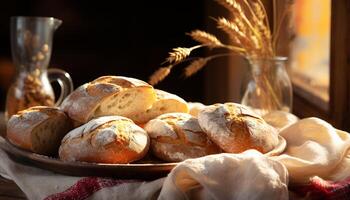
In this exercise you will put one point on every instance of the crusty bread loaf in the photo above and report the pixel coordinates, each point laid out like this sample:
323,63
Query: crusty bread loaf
109,139
178,136
38,129
195,107
236,128
165,103
109,95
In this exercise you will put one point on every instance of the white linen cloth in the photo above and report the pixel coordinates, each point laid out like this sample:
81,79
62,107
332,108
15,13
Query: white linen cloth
249,175
315,148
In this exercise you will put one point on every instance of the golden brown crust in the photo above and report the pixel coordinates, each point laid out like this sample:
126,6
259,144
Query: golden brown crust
20,126
177,136
110,139
236,128
165,103
82,103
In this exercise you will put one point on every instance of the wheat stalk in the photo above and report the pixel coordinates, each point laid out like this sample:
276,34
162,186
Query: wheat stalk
195,66
252,37
234,33
241,26
237,11
211,40
259,21
159,75
231,29
199,63
180,53
205,38
231,5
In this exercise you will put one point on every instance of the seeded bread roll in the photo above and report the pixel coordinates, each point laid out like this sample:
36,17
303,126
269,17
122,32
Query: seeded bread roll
109,139
195,107
177,137
38,129
165,103
109,95
235,128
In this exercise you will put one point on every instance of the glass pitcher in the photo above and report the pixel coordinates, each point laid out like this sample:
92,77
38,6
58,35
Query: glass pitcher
31,45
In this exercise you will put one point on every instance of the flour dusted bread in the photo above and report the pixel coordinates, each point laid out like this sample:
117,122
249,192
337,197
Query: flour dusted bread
109,139
177,137
38,129
109,95
195,107
236,128
165,103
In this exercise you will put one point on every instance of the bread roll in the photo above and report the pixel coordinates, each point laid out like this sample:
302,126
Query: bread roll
236,128
109,139
109,95
195,107
165,103
38,129
177,137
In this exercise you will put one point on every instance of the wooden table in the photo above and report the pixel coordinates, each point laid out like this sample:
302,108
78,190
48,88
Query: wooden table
8,189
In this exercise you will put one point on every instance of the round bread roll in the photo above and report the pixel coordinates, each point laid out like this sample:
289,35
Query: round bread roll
165,103
236,128
109,95
39,129
195,107
177,137
109,139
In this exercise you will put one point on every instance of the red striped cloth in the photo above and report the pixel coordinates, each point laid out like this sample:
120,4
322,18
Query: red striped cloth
85,187
316,189
322,189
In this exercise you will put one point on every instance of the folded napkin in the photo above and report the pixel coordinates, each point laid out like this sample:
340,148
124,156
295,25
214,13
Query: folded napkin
249,175
315,148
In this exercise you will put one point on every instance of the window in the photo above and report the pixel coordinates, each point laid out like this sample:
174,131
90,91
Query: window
319,67
321,74
310,50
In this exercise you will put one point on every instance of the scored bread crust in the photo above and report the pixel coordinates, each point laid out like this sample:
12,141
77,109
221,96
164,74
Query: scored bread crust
86,101
165,103
236,128
109,139
21,128
177,137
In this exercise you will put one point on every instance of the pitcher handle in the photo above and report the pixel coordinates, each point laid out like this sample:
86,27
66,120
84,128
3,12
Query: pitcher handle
64,80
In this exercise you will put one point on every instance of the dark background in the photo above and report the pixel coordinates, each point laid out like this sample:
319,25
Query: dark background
128,38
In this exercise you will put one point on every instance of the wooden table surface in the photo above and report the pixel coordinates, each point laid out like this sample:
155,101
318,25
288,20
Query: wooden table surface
8,189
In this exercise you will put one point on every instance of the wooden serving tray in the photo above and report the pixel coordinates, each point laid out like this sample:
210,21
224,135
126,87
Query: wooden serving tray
150,168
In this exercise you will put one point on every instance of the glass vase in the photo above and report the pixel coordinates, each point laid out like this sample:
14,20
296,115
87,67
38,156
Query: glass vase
268,87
